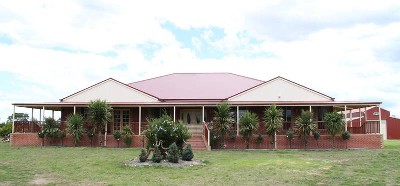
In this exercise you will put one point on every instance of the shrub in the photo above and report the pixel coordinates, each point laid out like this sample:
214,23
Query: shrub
75,127
334,124
164,131
232,136
304,124
346,136
156,156
173,153
61,134
259,139
143,155
50,128
248,124
99,113
289,135
127,135
222,122
41,135
90,134
117,136
316,135
273,117
187,153
6,129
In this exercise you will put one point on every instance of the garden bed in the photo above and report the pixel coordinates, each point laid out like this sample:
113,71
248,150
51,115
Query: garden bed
148,163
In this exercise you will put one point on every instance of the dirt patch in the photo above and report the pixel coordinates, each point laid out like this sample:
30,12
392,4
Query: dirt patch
149,163
40,181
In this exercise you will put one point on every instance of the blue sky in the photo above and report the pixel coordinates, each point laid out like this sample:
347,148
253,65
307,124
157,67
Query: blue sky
52,49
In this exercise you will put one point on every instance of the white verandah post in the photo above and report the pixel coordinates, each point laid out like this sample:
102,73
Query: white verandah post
40,115
174,114
203,114
345,117
43,115
13,125
140,119
380,118
359,111
31,123
237,120
105,135
74,109
351,117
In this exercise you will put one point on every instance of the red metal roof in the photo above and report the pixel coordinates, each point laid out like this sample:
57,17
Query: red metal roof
196,86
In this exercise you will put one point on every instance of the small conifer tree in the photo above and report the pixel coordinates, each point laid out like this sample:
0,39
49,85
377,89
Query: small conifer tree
156,156
143,155
187,153
173,153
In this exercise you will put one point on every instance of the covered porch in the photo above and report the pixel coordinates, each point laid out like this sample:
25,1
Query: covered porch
136,116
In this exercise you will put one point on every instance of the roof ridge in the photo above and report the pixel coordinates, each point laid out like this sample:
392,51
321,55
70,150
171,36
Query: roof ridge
150,78
239,75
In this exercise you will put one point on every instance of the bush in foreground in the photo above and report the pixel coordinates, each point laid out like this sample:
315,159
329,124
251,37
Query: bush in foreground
187,154
143,155
173,153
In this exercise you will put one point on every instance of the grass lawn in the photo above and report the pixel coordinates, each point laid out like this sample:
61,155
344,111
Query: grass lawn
105,166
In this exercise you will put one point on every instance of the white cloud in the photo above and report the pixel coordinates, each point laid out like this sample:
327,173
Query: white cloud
348,50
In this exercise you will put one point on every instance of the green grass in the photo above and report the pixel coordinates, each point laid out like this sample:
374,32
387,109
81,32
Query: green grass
105,166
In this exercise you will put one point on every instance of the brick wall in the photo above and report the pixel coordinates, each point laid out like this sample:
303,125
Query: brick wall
369,141
32,139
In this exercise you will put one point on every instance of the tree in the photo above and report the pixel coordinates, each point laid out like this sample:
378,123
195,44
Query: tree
273,118
334,124
164,131
75,127
50,128
222,121
99,114
305,125
187,153
248,125
173,153
5,129
18,117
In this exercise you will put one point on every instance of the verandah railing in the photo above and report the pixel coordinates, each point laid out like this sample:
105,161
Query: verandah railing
206,134
369,127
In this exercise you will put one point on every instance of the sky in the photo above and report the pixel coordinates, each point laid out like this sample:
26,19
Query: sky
349,50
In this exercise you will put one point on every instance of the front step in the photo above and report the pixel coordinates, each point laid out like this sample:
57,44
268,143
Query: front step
197,142
195,129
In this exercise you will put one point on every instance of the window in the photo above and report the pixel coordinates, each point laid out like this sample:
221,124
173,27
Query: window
287,114
121,118
321,113
376,113
287,117
241,112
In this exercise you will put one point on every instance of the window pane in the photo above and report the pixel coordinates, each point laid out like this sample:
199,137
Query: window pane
117,120
288,115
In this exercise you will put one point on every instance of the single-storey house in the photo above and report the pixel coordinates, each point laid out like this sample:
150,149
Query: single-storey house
192,98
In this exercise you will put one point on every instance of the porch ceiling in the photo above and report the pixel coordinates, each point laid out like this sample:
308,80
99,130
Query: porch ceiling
338,104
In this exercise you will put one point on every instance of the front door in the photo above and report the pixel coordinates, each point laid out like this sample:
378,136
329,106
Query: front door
191,116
